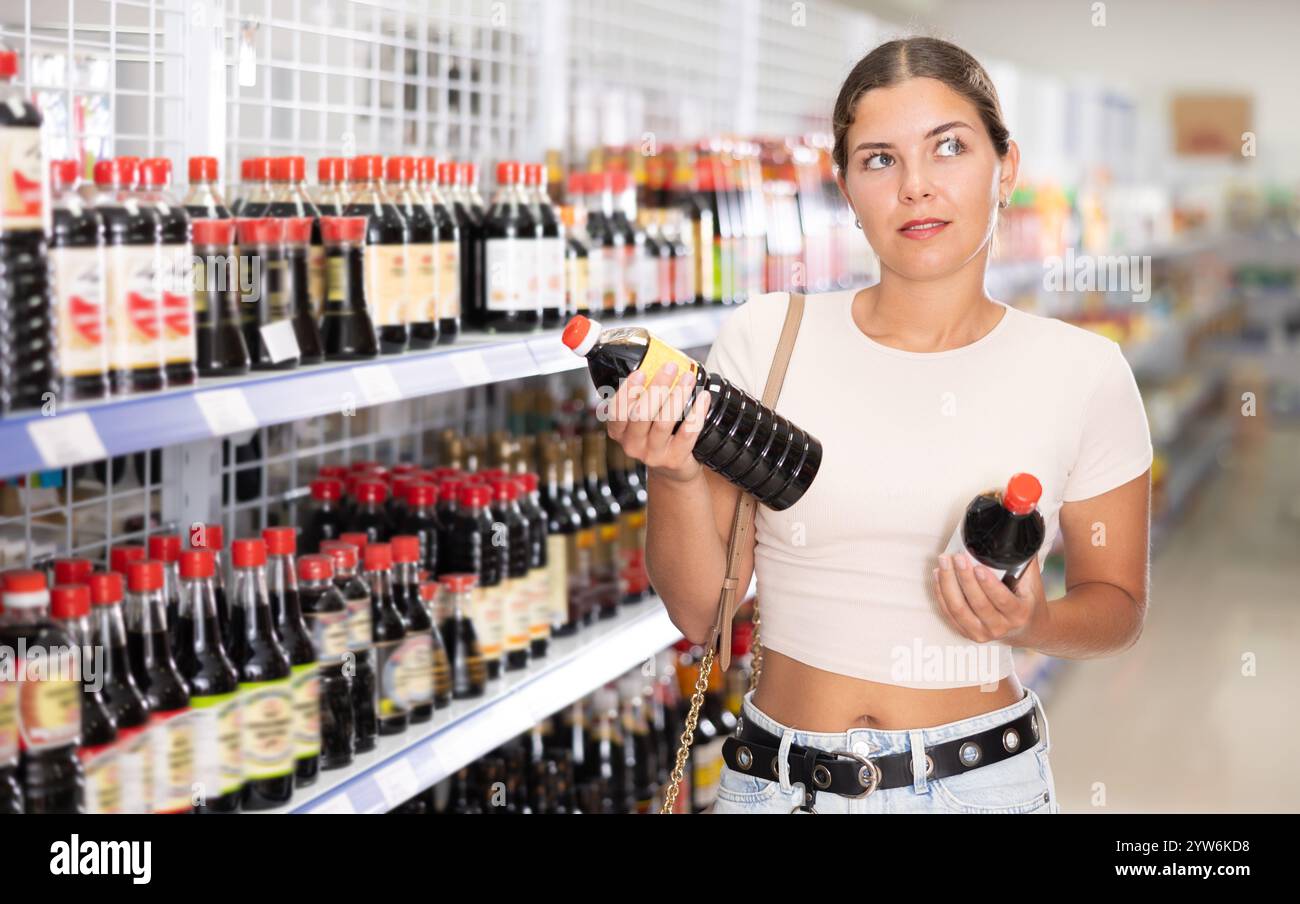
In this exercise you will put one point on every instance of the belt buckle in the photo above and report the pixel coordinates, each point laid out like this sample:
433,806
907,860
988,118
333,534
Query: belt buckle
867,765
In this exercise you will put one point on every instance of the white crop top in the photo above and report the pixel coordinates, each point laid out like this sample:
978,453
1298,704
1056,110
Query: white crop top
908,439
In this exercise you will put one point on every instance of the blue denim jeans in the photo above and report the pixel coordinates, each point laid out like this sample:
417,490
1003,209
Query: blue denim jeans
1019,784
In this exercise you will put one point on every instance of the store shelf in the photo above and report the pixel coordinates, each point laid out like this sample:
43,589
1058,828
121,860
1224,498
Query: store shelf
401,766
1187,471
80,433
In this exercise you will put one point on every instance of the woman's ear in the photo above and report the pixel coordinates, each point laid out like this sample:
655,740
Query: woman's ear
1010,171
844,192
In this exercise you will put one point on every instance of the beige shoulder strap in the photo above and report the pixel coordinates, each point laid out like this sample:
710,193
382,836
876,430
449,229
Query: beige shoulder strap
743,520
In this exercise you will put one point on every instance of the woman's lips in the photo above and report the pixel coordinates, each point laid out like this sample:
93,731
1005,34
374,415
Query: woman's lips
923,231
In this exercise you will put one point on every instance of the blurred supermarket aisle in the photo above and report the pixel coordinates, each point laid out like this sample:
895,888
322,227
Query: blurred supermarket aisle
1175,724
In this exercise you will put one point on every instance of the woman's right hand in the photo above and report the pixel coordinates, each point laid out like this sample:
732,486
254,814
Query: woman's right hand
640,418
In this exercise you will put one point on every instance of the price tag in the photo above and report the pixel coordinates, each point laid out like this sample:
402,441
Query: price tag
471,368
280,340
67,440
226,411
552,355
339,803
397,782
511,716
377,383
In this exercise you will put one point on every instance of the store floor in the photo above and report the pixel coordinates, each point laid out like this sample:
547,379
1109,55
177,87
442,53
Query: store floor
1173,725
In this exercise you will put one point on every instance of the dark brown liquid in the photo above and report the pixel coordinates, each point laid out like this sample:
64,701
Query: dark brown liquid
364,689
297,270
174,223
337,725
140,229
385,225
510,221
265,272
996,537
208,672
347,330
82,228
256,653
219,336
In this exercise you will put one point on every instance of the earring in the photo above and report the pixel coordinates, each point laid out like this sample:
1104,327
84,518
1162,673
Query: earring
1004,204
857,223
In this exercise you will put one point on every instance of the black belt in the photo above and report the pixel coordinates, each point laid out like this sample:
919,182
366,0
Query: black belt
753,751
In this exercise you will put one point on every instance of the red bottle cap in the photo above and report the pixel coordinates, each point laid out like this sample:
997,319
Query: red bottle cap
357,539
343,554
331,169
330,490
248,553
316,568
577,184
575,331
72,571
508,172
618,181
473,495
288,169
264,231
343,229
449,490
371,491
427,167
400,169
279,169
219,233
1022,493
165,548
70,601
528,480
119,557
532,174
421,494
156,171
458,583
447,171
8,63
63,173
398,484
203,169
259,169
105,588
378,557
208,536
365,168
246,169
440,473
467,173
280,541
198,563
297,230
406,548
505,489
24,580
115,172
144,576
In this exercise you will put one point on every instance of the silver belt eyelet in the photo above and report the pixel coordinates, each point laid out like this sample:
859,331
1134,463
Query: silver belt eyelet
869,775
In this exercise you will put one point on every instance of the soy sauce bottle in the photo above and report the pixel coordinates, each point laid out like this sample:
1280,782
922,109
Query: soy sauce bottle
213,685
298,288
347,329
516,608
388,630
509,237
203,201
1003,531
265,683
441,664
472,543
49,705
421,260
356,597
165,691
456,625
538,565
28,365
177,301
609,522
386,252
266,305
422,521
569,560
70,606
290,200
446,249
256,196
589,539
415,653
371,517
133,235
286,611
166,550
325,521
469,225
222,351
632,497
326,615
331,186
125,703
551,249
78,256
212,537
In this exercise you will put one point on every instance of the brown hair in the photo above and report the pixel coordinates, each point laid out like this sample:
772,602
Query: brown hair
918,57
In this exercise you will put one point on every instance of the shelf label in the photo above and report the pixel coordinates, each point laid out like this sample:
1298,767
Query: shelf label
552,355
66,440
397,783
226,410
377,383
339,803
280,340
471,368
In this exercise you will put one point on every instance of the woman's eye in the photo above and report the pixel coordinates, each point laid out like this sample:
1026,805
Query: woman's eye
950,147
878,161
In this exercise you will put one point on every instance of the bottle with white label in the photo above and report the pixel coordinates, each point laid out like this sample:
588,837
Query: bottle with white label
133,236
387,237
78,256
446,245
213,685
389,630
265,305
415,654
125,702
176,278
326,614
204,201
286,612
511,302
550,249
421,259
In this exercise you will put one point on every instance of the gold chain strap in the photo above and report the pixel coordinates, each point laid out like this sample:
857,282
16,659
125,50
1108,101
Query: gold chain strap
756,663
688,735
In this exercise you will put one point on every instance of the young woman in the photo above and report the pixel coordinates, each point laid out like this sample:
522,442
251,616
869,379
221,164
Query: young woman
887,683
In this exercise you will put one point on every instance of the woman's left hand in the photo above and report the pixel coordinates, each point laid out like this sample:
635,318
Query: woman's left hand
983,608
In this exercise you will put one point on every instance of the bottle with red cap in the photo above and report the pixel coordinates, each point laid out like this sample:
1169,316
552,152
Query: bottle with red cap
165,691
568,551
326,615
605,250
265,683
421,520
347,327
469,675
166,549
396,505
73,571
125,702
331,186
212,537
469,225
78,257
625,481
550,248
511,299
371,515
361,649
446,250
290,199
607,565
325,520
389,630
475,546
579,296
1003,529
203,201
235,192
537,589
414,656
213,685
386,252
133,235
422,261
516,608
255,194
298,288
266,315
622,219
218,332
589,538
175,274
70,606
27,361
441,664
469,182
286,610
121,556
48,697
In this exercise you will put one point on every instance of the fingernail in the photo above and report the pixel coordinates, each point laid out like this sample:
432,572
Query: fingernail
945,563
637,377
982,574
936,575
962,563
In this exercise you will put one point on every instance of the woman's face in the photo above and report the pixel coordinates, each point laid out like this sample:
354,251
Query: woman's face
918,153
